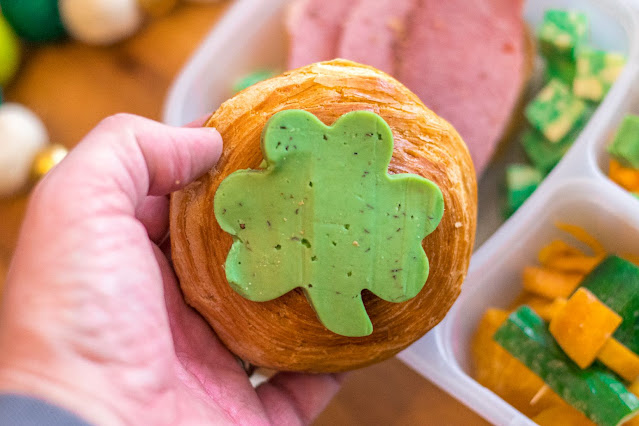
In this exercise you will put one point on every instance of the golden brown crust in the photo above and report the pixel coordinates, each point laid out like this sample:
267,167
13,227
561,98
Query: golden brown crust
285,334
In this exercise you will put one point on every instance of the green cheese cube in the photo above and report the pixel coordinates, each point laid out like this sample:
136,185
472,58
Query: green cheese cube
521,182
545,155
555,111
541,153
562,32
596,73
561,69
625,145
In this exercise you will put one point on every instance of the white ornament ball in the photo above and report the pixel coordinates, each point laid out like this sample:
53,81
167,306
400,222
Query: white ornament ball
101,22
22,135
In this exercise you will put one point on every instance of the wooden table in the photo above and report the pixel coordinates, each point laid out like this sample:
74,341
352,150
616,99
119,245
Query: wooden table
71,87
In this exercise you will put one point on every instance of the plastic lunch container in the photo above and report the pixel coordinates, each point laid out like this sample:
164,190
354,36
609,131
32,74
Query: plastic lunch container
251,36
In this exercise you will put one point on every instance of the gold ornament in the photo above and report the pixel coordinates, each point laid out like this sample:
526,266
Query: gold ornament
157,7
46,159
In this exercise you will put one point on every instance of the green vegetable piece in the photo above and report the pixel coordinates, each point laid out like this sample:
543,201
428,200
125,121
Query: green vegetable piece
325,216
596,73
545,155
615,282
562,70
636,194
521,181
561,33
625,145
593,391
555,111
252,78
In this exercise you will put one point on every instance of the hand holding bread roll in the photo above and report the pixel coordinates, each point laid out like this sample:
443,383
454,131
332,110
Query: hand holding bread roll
285,333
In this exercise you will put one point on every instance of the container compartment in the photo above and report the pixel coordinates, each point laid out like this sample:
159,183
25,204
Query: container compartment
495,281
597,149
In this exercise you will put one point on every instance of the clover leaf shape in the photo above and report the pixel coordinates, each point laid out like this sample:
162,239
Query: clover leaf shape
324,215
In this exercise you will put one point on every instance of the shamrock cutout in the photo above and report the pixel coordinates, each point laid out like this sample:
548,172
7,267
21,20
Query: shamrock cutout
324,215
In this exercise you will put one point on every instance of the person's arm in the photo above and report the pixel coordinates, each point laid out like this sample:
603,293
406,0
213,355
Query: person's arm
93,319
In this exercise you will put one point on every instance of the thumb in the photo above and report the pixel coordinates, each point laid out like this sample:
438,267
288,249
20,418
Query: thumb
128,157
92,195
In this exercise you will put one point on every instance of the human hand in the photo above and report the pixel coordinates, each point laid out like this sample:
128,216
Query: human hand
92,317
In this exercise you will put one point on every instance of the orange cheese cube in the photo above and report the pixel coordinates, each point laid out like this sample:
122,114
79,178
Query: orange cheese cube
582,235
548,311
633,421
583,326
620,359
504,374
530,299
562,415
557,248
549,283
574,263
625,177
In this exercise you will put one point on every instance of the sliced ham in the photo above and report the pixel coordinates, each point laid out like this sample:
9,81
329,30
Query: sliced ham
465,60
374,31
315,28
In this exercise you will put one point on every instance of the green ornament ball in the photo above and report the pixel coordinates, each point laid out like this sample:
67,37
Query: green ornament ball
34,20
9,52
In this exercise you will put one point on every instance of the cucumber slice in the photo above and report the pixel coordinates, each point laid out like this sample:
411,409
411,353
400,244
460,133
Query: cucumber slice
593,391
615,282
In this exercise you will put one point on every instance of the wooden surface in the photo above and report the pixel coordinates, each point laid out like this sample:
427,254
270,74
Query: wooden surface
71,87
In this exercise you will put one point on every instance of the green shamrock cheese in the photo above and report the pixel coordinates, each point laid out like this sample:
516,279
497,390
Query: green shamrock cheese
324,215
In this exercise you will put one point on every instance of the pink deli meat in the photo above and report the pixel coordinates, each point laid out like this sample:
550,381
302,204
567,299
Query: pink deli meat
315,28
465,61
374,31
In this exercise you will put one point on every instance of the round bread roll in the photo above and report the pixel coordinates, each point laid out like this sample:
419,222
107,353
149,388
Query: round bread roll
285,334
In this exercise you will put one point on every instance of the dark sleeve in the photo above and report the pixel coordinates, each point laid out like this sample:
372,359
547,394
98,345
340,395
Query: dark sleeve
18,410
